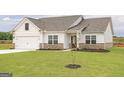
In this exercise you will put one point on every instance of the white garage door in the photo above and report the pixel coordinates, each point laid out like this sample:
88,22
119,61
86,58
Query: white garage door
27,43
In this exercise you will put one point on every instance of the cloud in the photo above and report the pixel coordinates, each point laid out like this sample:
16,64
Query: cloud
120,19
6,19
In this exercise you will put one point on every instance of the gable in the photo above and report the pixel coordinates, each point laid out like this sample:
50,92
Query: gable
21,25
108,34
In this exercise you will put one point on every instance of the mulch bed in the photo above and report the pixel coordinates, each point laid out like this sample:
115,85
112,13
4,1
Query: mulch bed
94,50
73,66
119,44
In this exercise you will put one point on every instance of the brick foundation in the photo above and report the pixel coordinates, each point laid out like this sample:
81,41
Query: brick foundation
95,46
55,46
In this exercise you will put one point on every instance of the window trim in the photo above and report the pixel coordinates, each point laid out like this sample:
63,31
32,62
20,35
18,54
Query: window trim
91,39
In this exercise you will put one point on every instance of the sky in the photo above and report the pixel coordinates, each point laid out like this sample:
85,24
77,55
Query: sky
8,22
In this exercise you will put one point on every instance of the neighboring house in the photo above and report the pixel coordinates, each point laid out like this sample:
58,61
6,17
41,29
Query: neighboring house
63,33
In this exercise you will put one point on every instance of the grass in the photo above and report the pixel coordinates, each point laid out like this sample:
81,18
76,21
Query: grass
5,46
51,63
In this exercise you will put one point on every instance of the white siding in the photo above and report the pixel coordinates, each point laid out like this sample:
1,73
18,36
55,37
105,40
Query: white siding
20,31
66,41
99,38
42,37
33,30
108,35
60,36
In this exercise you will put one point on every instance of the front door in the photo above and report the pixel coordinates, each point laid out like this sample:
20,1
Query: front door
73,42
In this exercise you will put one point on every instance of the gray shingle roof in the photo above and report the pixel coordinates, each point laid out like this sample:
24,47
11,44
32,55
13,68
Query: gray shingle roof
55,23
37,22
63,23
93,25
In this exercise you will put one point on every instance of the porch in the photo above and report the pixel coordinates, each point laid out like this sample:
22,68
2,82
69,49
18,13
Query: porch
73,39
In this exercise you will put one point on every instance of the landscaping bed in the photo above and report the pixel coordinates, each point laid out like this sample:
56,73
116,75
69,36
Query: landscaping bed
119,44
93,50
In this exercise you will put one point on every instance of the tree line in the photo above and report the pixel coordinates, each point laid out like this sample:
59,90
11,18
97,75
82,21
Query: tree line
6,36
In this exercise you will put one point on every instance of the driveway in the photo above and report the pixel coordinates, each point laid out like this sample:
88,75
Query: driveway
13,51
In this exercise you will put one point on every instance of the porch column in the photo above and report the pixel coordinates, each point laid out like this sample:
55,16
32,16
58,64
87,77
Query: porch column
78,38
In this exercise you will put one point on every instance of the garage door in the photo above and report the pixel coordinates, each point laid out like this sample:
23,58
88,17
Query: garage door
27,43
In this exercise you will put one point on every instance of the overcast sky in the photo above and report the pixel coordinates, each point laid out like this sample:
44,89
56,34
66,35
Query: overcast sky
8,22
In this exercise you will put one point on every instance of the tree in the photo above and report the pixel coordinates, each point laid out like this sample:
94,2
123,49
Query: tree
5,36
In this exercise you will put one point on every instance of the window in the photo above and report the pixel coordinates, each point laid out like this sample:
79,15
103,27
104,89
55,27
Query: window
91,39
52,39
26,26
87,39
55,39
49,39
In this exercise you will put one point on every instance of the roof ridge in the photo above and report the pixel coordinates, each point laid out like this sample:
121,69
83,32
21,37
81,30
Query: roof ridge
31,18
60,16
97,18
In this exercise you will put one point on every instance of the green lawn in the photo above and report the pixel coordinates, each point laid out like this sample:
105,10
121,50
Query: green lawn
5,46
51,63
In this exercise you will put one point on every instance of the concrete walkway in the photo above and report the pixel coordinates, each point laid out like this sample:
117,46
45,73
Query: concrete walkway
13,51
67,50
7,51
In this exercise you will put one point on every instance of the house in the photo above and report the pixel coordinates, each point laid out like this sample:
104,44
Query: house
63,33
